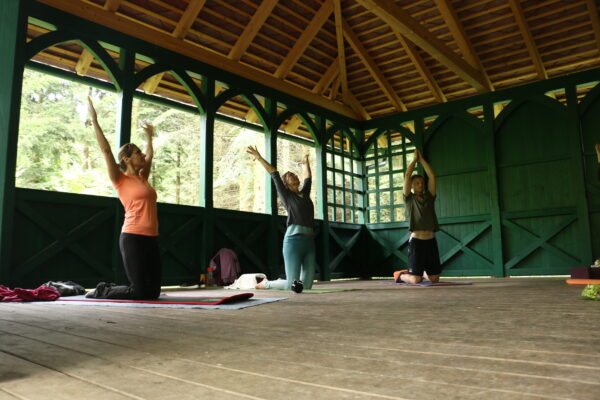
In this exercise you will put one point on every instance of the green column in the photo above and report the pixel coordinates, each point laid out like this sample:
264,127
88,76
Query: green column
125,104
488,112
322,211
13,28
123,135
207,128
575,144
274,244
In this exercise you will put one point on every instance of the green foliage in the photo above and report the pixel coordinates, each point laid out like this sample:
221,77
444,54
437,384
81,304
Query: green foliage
58,151
591,292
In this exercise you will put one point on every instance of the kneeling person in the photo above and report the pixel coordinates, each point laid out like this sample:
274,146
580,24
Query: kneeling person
423,254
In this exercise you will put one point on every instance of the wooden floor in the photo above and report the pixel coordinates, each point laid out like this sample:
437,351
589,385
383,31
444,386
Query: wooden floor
498,339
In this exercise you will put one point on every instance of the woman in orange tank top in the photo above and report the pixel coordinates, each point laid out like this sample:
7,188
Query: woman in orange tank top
139,236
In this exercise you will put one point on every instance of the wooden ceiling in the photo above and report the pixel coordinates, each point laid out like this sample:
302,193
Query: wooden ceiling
360,58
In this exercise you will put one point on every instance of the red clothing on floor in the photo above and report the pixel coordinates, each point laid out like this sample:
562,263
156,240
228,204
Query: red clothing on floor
43,293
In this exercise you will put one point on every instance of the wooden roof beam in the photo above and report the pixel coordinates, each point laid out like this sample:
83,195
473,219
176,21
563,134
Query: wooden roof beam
593,9
460,36
529,42
84,62
327,78
355,104
152,83
193,51
112,5
187,19
372,67
339,36
85,59
251,30
304,40
410,49
402,22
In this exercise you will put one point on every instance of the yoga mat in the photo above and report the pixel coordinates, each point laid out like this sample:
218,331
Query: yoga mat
431,284
583,281
326,290
234,302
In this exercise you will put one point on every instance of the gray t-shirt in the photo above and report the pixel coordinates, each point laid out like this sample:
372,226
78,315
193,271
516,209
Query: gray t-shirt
300,208
420,213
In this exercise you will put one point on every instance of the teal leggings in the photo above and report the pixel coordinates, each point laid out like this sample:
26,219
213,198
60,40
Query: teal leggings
300,262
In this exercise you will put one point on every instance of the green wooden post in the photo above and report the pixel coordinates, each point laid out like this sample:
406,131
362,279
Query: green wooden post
125,105
207,127
123,136
496,219
575,142
322,211
13,28
274,245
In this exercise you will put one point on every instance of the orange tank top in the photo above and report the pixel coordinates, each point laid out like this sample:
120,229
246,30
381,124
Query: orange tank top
139,200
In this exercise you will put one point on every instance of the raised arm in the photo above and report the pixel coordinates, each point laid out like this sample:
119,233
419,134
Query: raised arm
306,168
113,168
149,129
430,174
253,151
408,173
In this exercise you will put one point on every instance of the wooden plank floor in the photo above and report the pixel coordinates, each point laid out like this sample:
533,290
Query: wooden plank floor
498,339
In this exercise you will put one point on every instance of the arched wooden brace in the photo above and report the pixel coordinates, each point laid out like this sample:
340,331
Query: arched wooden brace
381,131
589,99
515,104
464,115
250,99
308,122
183,78
57,37
340,128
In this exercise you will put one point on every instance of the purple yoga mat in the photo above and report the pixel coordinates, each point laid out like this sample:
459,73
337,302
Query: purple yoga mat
432,284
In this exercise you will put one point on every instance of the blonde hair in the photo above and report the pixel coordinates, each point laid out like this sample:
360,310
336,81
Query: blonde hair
125,151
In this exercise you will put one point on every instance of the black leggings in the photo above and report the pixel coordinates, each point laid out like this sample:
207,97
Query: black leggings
141,258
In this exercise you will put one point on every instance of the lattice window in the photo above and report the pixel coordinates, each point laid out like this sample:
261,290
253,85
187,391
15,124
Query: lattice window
344,180
385,163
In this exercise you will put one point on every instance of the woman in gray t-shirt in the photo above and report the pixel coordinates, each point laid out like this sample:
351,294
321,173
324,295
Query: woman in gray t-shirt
299,252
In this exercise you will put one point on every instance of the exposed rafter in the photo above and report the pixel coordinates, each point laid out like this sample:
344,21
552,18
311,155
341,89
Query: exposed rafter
372,67
401,21
327,78
593,10
305,39
460,37
112,5
339,36
86,58
293,124
412,53
335,88
152,83
250,31
355,104
84,63
529,42
185,48
187,19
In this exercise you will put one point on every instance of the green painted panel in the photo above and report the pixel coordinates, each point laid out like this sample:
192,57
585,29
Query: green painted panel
535,174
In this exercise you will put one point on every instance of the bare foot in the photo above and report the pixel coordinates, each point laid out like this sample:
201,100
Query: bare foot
261,284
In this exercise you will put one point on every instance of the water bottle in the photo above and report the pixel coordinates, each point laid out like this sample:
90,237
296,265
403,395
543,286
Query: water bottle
210,278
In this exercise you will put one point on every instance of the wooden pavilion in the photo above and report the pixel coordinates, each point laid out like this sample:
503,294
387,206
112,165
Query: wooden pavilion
503,98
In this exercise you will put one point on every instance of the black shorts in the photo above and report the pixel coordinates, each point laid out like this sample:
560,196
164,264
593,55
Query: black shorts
423,256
